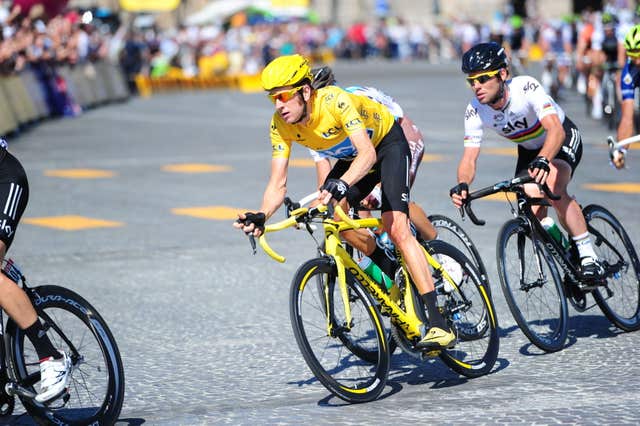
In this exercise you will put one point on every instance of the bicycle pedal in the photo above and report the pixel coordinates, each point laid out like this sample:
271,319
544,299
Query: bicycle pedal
592,285
431,353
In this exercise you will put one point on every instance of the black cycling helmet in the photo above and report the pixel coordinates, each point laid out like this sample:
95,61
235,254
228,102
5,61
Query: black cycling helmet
322,77
484,57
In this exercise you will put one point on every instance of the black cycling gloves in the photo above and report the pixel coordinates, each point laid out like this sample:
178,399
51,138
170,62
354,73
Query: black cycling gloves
257,219
336,187
541,163
462,186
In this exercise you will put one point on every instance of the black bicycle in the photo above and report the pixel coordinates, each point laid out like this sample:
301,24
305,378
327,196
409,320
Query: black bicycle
610,102
96,387
537,291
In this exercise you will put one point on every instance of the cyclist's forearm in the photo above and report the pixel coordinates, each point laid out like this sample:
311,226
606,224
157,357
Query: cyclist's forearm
364,161
552,145
466,171
625,128
359,168
273,199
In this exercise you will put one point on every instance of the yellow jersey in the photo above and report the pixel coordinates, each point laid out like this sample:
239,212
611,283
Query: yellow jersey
335,114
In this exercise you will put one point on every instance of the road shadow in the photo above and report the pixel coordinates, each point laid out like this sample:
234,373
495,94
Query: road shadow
26,420
131,422
411,371
595,326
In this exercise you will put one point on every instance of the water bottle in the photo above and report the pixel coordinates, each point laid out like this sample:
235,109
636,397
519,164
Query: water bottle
374,271
550,226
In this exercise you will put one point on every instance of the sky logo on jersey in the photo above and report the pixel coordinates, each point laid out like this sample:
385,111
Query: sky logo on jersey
516,125
523,135
471,112
530,86
342,150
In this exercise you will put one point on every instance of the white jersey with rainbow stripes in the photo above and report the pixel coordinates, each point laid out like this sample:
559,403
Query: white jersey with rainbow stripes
518,121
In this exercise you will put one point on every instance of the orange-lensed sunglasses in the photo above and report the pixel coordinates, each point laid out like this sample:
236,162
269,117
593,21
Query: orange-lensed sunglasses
482,78
285,95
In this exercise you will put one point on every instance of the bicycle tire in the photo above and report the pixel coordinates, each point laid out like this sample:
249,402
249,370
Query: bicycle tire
455,235
342,372
620,299
98,357
469,310
538,306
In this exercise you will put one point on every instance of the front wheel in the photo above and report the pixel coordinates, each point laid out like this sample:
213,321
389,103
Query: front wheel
619,300
532,286
96,386
450,232
329,343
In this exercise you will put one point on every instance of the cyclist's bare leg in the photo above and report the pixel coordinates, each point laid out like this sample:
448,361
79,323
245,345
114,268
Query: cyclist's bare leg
14,300
419,219
397,226
421,222
567,208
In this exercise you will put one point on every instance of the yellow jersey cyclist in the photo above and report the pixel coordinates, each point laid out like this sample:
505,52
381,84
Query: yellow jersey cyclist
369,146
629,80
549,144
55,365
323,77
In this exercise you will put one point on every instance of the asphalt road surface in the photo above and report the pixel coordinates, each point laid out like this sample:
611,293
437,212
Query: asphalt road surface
131,205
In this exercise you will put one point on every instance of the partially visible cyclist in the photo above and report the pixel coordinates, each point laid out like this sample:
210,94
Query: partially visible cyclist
629,80
323,77
55,365
370,147
549,144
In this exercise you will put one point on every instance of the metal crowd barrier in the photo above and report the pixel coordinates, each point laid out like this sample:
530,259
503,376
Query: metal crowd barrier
24,98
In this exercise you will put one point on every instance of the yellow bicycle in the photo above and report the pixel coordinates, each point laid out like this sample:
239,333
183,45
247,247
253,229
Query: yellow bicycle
336,310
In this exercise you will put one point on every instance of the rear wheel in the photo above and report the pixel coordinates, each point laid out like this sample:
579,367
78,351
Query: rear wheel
332,347
620,298
532,287
466,305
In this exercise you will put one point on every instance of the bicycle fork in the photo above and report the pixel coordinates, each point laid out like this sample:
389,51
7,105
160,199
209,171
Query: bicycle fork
521,256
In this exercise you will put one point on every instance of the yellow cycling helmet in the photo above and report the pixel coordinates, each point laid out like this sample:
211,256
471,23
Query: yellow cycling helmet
285,71
632,39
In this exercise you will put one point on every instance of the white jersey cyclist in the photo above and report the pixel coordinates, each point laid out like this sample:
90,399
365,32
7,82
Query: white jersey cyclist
375,95
518,121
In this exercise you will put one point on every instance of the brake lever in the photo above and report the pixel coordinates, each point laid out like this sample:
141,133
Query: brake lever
548,193
252,241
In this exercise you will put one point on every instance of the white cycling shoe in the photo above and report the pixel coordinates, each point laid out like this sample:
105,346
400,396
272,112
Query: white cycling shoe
54,377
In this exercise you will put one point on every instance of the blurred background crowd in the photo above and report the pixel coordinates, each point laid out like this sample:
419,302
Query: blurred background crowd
43,35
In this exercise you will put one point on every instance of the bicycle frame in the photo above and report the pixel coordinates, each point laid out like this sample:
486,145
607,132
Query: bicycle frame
562,257
406,319
558,252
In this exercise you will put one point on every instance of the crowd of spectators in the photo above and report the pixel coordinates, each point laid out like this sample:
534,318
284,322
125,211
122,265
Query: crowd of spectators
31,41
239,45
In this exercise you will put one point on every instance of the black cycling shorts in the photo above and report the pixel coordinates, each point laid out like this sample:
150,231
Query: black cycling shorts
571,151
391,168
14,194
